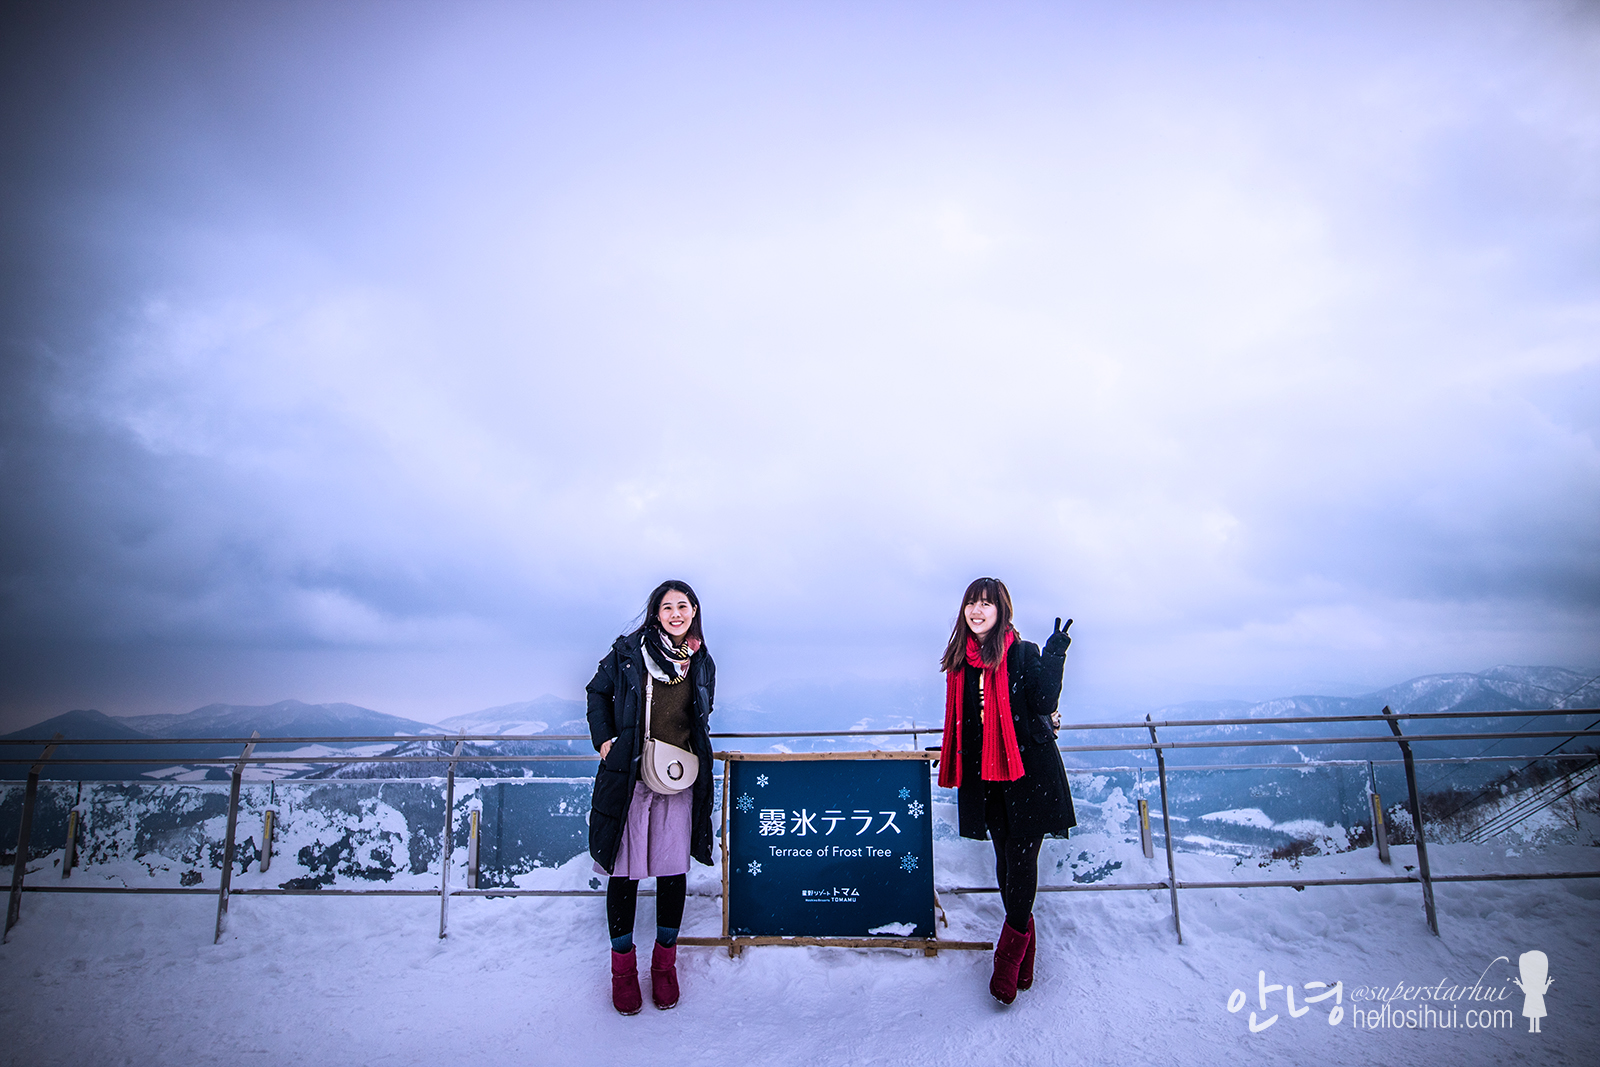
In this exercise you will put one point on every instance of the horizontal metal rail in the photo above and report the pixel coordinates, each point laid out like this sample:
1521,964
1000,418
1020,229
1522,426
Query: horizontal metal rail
1085,888
279,891
898,731
1088,887
1307,741
1146,746
1289,883
1581,757
1142,768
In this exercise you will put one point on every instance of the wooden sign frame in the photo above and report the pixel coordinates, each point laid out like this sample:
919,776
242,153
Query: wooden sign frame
736,945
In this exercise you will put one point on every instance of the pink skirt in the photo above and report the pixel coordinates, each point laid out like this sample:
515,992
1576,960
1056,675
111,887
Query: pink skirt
655,840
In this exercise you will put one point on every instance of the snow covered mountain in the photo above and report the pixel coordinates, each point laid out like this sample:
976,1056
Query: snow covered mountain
1498,689
1504,688
545,714
287,718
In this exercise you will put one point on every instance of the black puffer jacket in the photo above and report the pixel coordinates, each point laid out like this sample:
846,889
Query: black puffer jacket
616,709
1038,804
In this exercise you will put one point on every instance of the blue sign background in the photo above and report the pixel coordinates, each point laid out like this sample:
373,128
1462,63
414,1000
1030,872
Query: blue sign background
830,848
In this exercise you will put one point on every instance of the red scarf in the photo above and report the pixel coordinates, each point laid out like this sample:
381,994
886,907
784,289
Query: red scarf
1002,761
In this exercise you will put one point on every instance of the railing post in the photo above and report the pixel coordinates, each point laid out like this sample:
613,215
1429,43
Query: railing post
1166,829
227,841
24,832
1416,822
447,851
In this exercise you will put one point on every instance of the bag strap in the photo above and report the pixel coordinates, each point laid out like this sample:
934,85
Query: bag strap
649,694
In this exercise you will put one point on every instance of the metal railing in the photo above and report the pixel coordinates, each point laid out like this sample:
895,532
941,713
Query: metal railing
1156,745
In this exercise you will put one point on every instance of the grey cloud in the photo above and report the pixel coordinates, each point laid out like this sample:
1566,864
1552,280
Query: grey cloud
342,338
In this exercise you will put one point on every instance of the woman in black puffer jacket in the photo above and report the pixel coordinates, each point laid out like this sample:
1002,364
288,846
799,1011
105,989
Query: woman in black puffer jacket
1000,755
635,832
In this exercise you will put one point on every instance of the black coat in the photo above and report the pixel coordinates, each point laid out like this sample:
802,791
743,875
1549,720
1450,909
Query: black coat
616,709
1038,804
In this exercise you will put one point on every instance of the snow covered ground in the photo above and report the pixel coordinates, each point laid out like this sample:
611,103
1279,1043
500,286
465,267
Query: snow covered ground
136,980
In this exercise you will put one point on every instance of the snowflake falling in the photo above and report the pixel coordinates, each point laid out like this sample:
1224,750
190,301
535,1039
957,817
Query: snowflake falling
755,868
908,862
914,809
761,779
746,802
904,793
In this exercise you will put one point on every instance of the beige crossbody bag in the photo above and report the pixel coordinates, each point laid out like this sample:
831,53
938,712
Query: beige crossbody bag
665,768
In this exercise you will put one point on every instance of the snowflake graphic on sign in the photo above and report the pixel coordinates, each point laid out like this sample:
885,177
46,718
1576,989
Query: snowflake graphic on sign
914,809
904,793
755,868
908,862
746,802
761,779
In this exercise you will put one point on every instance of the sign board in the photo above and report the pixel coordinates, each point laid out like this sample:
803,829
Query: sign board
830,848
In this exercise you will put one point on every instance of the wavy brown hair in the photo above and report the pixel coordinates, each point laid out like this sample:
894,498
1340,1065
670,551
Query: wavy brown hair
994,591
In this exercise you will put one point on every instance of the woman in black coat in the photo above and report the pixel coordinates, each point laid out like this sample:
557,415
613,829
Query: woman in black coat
1000,754
634,831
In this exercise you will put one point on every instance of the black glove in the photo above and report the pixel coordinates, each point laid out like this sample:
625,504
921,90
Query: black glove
1059,641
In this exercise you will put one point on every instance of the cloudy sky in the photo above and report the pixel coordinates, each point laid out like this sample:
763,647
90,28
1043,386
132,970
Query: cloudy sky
390,353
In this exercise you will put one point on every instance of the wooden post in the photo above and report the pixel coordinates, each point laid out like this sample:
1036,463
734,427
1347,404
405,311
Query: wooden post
1416,821
1166,830
1380,829
24,832
472,849
69,855
727,773
1380,826
233,829
267,820
448,850
1146,842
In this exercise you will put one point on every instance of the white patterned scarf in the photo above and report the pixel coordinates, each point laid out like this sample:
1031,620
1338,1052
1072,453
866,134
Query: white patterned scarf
666,662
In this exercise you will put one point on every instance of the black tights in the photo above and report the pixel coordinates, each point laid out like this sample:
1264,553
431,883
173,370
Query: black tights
622,902
1016,860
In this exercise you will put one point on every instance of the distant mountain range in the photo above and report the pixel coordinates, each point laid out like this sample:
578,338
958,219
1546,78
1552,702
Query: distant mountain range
1497,689
287,718
546,714
843,705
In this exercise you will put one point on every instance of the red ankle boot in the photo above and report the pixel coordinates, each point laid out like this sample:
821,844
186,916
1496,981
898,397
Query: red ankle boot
1007,960
625,995
664,976
1025,972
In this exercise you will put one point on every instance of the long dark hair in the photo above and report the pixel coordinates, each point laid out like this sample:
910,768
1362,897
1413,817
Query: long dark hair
994,591
652,611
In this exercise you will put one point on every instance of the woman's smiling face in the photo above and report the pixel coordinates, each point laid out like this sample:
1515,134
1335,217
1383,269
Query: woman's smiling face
981,616
675,614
